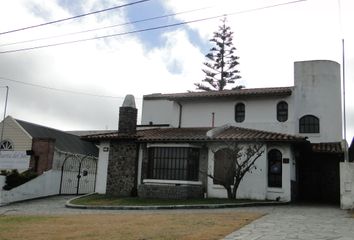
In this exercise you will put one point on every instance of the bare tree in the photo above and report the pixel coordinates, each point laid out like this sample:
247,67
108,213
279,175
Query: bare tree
233,162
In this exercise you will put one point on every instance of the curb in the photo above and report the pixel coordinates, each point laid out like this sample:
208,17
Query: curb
169,207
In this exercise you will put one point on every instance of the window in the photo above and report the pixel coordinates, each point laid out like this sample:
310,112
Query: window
274,168
282,111
173,163
6,145
309,124
240,112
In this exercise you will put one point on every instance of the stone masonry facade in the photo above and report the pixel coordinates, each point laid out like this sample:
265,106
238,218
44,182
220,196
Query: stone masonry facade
127,120
170,191
121,175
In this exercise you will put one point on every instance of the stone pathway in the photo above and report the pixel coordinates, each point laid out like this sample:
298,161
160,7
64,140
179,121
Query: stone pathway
299,222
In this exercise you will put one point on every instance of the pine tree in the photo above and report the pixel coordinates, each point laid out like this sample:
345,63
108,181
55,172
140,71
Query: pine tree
221,62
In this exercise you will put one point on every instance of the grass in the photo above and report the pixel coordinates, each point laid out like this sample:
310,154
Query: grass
101,200
142,226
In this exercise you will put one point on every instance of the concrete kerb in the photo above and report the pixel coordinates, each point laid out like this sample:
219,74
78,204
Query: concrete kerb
169,207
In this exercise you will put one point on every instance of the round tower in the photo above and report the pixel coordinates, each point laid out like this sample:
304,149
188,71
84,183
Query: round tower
318,101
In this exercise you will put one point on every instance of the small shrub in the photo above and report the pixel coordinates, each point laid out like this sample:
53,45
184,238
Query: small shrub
4,172
14,178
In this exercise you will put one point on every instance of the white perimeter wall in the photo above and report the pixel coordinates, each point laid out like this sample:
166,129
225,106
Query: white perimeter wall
347,185
44,185
254,185
102,167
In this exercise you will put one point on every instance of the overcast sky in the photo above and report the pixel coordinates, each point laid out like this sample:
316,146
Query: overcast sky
268,41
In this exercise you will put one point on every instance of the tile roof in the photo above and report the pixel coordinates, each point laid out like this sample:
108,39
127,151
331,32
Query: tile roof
327,147
63,141
249,92
88,132
199,134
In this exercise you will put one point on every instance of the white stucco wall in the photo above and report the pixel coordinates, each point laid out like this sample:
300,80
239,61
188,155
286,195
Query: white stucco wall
44,185
14,160
259,114
160,112
102,167
254,184
318,93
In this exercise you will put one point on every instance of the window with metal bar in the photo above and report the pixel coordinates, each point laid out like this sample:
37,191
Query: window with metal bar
173,163
309,124
282,111
240,112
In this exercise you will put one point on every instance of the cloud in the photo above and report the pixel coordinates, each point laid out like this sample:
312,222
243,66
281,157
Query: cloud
113,66
267,41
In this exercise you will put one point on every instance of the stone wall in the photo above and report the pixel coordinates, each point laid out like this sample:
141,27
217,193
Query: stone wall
121,176
170,191
127,120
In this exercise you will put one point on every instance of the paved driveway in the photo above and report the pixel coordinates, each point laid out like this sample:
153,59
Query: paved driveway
301,222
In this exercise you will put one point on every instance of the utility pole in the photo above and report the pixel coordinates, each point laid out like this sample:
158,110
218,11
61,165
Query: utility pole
3,119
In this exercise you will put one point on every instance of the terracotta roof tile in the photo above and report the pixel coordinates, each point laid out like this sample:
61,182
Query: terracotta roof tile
244,134
251,92
199,134
327,147
174,134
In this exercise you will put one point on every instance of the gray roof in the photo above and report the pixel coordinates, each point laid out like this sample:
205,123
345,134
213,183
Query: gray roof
63,141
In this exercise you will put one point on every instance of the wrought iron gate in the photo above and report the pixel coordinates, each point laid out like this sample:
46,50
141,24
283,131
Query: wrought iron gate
78,174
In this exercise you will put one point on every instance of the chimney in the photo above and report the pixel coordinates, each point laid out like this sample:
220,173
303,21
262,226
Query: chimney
128,116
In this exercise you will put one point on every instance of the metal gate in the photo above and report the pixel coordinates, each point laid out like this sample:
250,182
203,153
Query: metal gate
78,174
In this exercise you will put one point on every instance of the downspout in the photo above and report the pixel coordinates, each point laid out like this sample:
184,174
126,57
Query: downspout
180,115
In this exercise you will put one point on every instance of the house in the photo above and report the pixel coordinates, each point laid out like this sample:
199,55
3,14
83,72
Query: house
41,148
65,163
183,137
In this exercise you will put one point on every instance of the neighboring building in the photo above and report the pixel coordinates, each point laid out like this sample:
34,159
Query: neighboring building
38,147
65,163
300,128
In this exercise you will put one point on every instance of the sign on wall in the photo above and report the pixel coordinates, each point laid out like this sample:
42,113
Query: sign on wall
14,160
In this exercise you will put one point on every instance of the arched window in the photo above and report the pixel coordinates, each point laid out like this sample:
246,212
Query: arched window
240,112
282,111
274,168
309,124
223,166
6,145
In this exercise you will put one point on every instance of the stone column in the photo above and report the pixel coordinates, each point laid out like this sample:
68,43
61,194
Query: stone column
122,161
